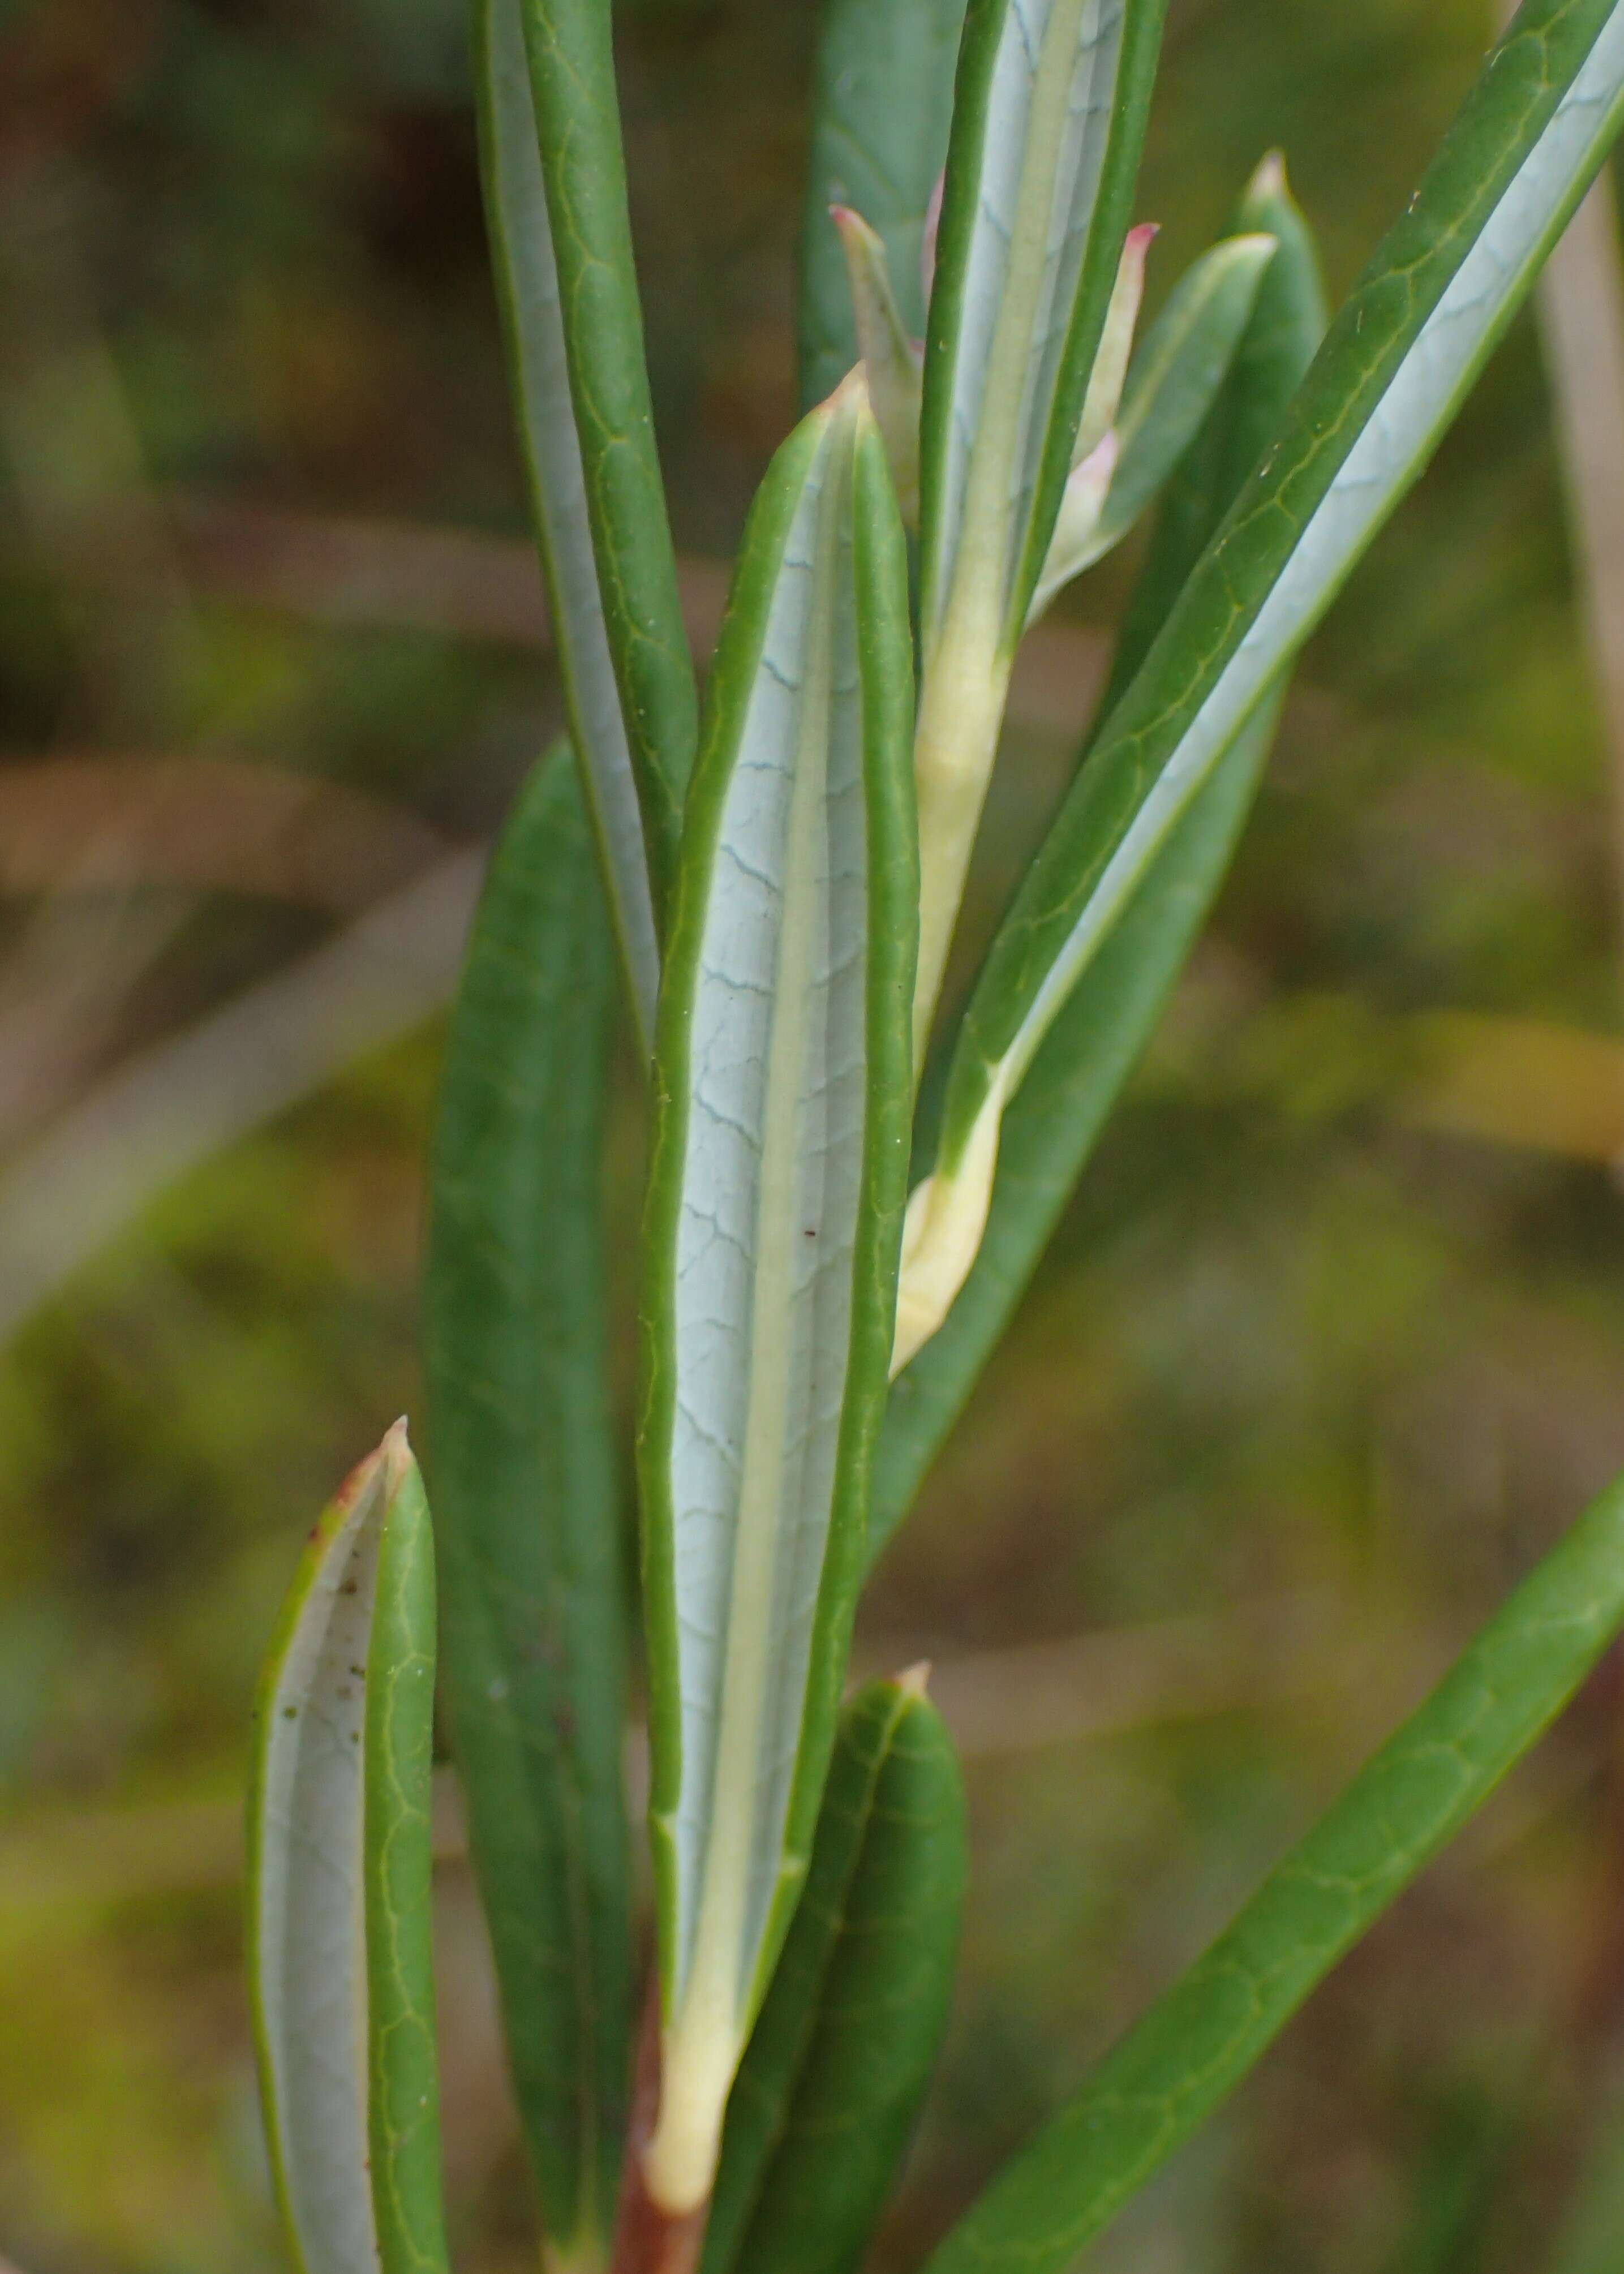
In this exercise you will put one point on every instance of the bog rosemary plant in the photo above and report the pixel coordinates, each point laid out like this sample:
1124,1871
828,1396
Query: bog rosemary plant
846,1196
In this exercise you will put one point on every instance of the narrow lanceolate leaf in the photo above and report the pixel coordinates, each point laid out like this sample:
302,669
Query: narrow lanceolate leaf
572,79
634,820
783,1099
1172,384
880,111
1194,2046
1049,122
1050,1128
1395,369
523,1464
556,195
339,1921
840,2059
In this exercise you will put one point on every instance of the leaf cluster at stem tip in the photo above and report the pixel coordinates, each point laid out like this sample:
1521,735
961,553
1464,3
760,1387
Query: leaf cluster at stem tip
771,881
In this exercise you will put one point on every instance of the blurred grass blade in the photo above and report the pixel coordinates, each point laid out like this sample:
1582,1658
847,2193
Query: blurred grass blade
340,1922
1199,2041
1395,369
1049,122
840,2058
523,1464
783,1102
1048,125
1172,384
1454,2192
527,288
880,111
1590,2234
1050,1128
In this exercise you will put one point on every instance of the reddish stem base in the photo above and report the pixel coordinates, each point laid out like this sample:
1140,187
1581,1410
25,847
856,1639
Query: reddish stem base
647,2240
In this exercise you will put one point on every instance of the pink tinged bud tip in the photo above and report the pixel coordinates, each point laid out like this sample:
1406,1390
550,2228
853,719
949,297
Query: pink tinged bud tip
1269,181
1092,480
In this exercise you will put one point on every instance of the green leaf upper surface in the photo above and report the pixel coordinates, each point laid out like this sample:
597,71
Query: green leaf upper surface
527,288
524,1462
1048,122
1393,370
881,105
573,86
782,1099
1050,1128
1197,2043
840,2058
397,1878
338,1928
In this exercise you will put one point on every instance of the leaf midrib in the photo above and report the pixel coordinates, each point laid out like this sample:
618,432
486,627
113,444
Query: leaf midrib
721,1967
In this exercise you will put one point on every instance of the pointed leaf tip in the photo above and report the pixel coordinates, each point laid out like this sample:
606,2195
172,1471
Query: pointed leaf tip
889,358
1270,179
338,1938
881,93
1110,364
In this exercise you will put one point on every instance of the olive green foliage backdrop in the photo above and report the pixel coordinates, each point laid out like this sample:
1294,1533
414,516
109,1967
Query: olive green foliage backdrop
1327,1352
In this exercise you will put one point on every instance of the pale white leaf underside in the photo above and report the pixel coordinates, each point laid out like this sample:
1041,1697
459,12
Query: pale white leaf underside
771,1187
987,355
308,1923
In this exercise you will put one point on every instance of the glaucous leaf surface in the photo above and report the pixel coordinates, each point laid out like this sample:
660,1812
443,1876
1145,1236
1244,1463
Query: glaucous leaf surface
1049,121
1391,375
1393,372
1051,1126
339,1942
526,274
782,1104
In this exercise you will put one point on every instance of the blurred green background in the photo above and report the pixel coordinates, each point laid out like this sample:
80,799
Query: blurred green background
1331,1343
